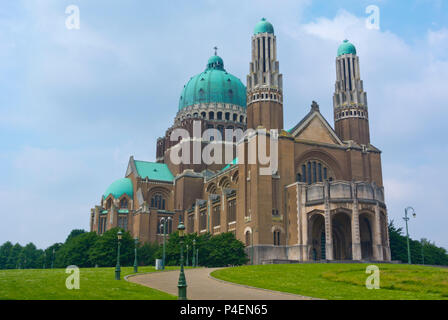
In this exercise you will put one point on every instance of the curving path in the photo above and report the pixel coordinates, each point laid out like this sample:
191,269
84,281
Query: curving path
201,286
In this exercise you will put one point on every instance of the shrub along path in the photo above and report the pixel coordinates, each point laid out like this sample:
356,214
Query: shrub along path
201,286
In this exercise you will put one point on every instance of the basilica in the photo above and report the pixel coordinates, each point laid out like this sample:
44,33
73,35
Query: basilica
324,199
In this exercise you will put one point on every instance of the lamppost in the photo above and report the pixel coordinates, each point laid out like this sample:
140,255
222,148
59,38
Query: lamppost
52,260
197,257
135,255
182,284
406,218
45,257
194,253
164,221
186,263
117,268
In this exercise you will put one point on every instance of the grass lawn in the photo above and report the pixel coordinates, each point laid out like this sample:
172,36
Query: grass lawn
95,283
343,281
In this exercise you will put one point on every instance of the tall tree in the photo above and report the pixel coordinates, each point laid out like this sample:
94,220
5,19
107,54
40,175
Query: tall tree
5,252
104,252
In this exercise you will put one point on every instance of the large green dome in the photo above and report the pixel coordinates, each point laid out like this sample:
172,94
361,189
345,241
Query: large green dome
346,48
263,26
120,187
213,85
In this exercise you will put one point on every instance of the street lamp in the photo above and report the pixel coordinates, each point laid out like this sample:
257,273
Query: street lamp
406,218
186,263
52,260
117,268
194,253
164,221
135,255
45,257
182,284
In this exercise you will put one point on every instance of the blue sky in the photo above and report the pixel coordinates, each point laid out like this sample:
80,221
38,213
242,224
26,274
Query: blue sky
75,104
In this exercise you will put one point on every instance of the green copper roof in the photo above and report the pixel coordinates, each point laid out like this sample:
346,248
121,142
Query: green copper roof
346,48
213,85
120,187
154,171
263,26
234,161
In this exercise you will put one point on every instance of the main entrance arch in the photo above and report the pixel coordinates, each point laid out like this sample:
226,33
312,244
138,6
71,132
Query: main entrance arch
366,235
317,237
342,236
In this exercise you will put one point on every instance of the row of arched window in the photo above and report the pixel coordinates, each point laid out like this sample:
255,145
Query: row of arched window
350,113
276,235
123,203
312,172
264,96
219,116
157,201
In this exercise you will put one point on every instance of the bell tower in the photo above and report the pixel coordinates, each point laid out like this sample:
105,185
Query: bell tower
351,116
264,82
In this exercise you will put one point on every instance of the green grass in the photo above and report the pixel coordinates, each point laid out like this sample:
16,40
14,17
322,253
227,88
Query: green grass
95,284
344,281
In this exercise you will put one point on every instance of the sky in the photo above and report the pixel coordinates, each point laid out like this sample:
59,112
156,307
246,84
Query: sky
77,103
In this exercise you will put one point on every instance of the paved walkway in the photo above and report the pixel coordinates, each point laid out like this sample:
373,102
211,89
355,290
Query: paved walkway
201,286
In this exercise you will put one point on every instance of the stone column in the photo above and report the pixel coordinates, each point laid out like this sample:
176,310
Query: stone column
303,216
328,224
224,208
388,254
299,223
196,218
356,239
96,219
377,247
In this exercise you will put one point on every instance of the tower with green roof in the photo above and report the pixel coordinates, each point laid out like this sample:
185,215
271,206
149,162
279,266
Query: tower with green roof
351,115
264,81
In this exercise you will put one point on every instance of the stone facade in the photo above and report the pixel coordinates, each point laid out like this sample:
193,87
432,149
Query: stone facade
325,201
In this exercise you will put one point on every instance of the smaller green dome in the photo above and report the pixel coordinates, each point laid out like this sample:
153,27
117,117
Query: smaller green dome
346,48
263,26
215,62
120,187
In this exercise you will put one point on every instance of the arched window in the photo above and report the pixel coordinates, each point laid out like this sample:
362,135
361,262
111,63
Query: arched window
227,116
216,216
219,115
235,117
124,203
248,242
109,204
276,238
123,222
241,118
231,210
202,221
211,115
157,201
314,171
